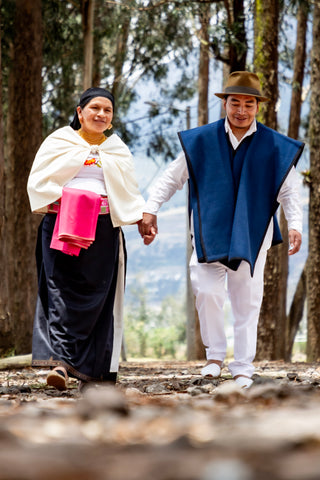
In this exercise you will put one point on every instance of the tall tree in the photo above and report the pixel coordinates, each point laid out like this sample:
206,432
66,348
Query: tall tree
87,26
298,69
266,40
131,40
62,77
204,61
237,38
229,40
297,306
313,263
121,52
23,139
5,327
203,89
63,57
272,324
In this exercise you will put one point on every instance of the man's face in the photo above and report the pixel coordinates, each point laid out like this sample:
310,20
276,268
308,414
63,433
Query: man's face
241,110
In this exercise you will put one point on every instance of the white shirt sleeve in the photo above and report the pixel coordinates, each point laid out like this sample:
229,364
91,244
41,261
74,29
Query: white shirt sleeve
175,176
290,200
173,179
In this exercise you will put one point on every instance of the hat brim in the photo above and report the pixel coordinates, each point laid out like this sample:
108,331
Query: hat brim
259,97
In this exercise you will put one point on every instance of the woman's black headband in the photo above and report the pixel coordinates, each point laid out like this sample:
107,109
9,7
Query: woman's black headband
85,98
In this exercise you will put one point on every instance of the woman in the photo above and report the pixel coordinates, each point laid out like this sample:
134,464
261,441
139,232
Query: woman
78,318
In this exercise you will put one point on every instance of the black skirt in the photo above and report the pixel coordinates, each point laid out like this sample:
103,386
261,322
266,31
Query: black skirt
74,323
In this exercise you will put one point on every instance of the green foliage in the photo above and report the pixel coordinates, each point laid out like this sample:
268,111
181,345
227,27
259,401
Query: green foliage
62,61
228,33
185,88
132,40
152,332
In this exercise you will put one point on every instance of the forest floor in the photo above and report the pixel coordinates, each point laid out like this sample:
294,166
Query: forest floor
163,421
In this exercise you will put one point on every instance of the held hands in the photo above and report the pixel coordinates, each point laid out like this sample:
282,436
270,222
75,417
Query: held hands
295,241
148,228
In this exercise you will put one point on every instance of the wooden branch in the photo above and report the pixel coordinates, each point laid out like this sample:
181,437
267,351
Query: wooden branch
18,361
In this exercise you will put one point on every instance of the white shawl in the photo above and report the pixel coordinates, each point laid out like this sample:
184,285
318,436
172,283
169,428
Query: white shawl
61,156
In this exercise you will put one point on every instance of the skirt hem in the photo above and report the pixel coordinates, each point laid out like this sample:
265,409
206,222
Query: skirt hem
111,376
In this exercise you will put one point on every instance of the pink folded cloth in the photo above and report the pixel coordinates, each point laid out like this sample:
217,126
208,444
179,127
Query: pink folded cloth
76,221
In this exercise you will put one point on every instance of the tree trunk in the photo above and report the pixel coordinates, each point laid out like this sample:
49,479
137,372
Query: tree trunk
234,51
195,347
296,313
87,26
5,327
97,45
204,60
121,52
313,263
297,306
266,38
24,136
237,42
298,71
272,323
203,118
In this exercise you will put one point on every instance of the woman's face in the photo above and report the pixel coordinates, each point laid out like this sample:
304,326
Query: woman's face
96,115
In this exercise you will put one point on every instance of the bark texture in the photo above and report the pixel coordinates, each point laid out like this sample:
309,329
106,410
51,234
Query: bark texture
87,26
272,323
5,337
313,263
203,77
297,307
298,71
23,139
296,313
237,40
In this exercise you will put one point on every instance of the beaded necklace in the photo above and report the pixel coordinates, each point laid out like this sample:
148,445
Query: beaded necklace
92,139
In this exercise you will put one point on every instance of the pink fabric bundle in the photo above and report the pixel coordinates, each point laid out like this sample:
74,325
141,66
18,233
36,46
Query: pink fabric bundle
76,221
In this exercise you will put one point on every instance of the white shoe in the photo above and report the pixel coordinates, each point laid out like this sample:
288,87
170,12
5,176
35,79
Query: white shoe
212,370
244,382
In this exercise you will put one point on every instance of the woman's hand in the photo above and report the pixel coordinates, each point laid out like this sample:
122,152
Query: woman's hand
148,228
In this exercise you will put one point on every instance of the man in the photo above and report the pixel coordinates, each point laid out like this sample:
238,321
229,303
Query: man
239,171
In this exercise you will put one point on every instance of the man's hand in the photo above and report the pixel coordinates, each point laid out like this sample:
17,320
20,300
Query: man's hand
148,228
295,241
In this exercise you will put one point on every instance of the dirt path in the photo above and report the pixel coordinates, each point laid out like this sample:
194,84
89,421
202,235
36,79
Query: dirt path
163,422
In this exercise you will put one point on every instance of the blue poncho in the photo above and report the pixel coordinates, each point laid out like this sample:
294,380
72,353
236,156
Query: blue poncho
233,194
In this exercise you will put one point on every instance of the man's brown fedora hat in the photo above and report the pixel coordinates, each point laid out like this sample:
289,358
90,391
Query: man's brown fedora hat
243,83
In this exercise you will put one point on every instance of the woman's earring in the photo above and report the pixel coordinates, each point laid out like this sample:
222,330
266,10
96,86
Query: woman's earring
110,126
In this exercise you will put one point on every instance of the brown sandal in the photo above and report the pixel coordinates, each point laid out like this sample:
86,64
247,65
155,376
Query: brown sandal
58,378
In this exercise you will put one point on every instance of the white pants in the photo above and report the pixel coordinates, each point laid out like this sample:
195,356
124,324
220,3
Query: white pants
245,292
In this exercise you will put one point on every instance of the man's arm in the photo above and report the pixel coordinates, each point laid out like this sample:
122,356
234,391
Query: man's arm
290,200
